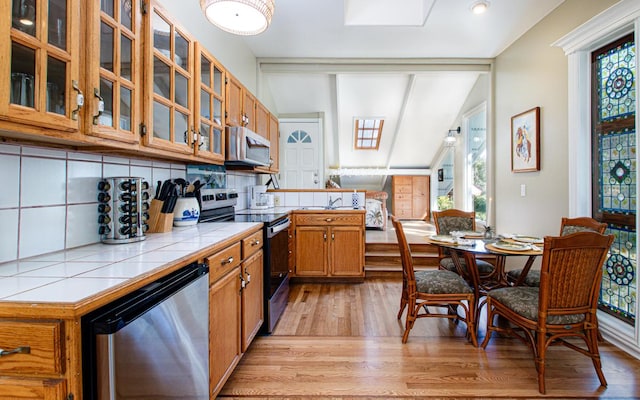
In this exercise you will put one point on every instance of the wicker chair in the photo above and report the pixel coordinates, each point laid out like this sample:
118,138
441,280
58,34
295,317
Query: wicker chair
437,288
451,220
563,306
528,277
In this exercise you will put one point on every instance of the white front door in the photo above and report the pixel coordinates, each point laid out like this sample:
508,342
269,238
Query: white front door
301,164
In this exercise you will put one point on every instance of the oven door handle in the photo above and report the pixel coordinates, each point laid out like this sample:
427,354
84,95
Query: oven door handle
274,230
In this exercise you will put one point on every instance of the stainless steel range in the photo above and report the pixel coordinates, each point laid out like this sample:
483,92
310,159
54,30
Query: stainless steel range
218,205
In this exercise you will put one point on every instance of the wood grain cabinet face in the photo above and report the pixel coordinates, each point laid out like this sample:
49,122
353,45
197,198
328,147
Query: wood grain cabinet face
40,46
240,104
329,245
113,48
274,139
410,196
252,298
45,343
42,389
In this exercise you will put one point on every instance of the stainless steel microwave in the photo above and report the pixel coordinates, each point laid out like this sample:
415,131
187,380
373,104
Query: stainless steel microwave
245,147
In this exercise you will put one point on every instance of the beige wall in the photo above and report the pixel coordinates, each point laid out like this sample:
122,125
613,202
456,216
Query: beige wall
528,74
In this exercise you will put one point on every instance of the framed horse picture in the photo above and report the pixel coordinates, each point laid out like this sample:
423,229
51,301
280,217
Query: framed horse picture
525,141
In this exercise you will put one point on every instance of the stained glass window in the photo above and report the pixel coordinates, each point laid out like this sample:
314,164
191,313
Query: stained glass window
616,82
614,180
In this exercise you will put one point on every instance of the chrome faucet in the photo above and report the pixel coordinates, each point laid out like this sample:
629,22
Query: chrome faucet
333,202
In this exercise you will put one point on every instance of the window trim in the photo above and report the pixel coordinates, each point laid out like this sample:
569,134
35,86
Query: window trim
358,133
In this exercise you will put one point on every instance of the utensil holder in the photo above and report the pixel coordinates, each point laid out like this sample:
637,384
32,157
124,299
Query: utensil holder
159,222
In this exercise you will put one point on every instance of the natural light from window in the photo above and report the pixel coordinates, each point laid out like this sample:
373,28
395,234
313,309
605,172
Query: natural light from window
368,133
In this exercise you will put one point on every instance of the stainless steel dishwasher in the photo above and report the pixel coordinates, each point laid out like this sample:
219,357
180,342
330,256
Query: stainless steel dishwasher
151,344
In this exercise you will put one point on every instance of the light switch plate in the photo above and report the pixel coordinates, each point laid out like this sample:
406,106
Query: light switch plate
523,190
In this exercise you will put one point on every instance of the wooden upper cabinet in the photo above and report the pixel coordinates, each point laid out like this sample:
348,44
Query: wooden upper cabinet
262,120
113,108
233,103
240,104
274,138
169,83
410,196
209,100
40,46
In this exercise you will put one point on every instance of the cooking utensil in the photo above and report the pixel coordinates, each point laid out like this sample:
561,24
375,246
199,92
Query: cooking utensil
158,187
182,184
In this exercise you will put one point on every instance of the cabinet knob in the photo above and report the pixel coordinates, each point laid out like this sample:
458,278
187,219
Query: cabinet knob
227,261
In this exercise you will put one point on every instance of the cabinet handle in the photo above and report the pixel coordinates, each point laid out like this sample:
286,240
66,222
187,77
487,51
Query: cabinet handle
255,243
197,139
21,349
227,261
79,100
96,118
333,236
243,283
328,220
325,236
248,275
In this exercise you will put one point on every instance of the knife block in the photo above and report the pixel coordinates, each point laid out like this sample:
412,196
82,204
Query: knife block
159,222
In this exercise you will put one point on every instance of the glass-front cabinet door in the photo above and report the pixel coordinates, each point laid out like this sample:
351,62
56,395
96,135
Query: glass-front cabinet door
209,136
169,85
114,69
40,49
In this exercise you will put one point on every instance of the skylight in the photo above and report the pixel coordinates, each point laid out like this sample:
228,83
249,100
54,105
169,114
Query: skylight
368,133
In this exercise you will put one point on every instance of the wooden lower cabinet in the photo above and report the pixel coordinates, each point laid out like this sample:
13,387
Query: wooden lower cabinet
225,328
329,244
236,308
22,388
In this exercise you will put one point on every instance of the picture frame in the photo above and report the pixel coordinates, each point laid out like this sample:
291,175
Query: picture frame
440,174
525,141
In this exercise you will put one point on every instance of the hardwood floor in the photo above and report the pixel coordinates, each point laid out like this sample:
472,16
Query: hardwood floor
343,341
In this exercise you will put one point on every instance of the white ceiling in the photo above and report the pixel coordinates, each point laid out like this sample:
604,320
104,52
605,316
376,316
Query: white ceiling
411,62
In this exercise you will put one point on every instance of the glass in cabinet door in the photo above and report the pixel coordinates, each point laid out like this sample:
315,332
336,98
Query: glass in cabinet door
115,77
170,85
210,107
43,71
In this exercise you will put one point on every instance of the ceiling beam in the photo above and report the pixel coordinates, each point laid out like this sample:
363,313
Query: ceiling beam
336,66
401,114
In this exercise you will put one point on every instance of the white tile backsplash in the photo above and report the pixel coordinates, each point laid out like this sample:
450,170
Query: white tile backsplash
321,199
306,199
9,235
9,149
82,224
43,182
43,152
114,170
82,181
42,230
10,167
291,199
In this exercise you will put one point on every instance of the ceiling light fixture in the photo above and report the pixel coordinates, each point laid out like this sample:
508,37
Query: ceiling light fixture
479,7
240,17
450,139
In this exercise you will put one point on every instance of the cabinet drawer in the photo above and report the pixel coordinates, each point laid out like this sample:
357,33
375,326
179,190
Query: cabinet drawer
404,189
45,342
402,197
252,244
223,261
19,388
330,219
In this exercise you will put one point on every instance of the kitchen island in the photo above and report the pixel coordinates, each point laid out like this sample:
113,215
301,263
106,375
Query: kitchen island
43,298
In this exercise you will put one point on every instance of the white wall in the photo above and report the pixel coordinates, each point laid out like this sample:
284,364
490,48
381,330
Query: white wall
531,73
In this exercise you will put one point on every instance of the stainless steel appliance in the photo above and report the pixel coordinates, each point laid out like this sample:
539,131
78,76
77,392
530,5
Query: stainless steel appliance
245,147
219,205
151,344
123,204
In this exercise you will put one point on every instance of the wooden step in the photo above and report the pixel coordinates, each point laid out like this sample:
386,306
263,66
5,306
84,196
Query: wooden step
388,255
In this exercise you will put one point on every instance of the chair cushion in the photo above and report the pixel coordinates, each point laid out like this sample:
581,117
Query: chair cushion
523,301
483,267
441,282
450,224
532,278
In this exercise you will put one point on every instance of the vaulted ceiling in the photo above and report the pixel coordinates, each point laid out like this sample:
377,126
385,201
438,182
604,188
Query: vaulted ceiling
411,62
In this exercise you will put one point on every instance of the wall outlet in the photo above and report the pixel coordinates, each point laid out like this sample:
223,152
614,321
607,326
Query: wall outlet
276,200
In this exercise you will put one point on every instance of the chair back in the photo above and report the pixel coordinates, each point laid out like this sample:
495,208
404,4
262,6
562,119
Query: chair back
408,275
570,277
451,220
581,224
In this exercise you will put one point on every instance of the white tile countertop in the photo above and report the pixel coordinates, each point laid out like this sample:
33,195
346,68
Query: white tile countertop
72,275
